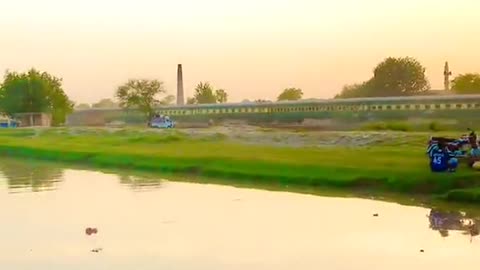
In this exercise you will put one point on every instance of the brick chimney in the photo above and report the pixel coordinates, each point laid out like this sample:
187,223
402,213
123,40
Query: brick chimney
180,97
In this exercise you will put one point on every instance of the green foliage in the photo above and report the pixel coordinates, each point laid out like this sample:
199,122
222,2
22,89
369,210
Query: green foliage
393,126
291,94
356,90
385,167
34,91
403,76
469,195
436,126
467,84
400,77
205,94
142,95
221,96
191,100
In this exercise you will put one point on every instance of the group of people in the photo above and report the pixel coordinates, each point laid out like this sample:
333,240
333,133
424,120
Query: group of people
444,152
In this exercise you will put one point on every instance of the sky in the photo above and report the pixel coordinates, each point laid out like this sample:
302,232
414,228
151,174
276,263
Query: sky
251,48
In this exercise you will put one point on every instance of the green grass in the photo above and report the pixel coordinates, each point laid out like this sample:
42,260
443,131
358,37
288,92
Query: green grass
470,195
390,125
392,168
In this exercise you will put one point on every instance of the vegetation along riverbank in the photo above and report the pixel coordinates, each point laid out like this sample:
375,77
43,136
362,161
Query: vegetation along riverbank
376,161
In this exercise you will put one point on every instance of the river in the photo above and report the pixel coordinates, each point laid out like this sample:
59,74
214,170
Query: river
150,223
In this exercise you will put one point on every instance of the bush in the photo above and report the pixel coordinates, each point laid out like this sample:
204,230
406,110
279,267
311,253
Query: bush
435,126
395,126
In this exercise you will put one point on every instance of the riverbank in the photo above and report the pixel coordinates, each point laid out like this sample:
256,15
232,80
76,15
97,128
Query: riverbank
395,163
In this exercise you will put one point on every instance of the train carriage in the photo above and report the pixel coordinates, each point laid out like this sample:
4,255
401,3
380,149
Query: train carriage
457,107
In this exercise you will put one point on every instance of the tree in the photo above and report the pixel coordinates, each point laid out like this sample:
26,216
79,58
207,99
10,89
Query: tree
392,77
290,94
399,77
356,90
83,106
61,105
205,94
191,100
105,103
168,100
467,84
34,91
142,95
221,96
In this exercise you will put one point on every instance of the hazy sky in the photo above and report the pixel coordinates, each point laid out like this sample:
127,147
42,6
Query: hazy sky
252,48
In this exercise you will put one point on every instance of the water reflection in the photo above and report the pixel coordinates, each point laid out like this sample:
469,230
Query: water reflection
34,176
444,221
140,183
30,176
196,226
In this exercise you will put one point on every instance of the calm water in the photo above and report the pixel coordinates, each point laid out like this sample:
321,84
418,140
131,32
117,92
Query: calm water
149,223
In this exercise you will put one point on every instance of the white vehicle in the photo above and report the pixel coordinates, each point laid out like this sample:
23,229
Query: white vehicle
161,122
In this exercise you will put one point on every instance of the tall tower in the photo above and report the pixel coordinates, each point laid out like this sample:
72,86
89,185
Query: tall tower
446,77
180,98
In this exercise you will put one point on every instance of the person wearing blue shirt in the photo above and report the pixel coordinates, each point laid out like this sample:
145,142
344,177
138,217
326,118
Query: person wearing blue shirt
441,160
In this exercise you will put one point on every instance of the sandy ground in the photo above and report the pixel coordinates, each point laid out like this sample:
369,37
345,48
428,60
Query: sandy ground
302,138
275,137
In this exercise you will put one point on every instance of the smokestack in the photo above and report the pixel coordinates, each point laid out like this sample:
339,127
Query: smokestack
446,77
180,99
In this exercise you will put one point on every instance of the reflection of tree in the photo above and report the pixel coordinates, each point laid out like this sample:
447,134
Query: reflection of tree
24,174
445,221
140,182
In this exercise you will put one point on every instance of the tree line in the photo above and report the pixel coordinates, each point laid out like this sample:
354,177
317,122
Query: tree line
145,95
36,91
405,76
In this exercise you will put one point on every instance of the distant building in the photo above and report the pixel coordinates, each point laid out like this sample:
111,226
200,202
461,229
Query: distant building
33,119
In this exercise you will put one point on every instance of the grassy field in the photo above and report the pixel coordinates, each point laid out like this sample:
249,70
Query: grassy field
387,166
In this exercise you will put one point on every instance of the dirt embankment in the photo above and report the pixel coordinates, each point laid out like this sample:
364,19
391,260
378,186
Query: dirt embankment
304,138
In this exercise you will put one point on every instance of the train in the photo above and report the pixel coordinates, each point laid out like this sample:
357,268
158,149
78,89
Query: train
463,108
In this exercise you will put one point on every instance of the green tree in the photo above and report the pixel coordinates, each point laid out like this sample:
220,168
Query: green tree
105,103
399,77
221,96
191,100
467,84
356,90
290,94
392,77
34,91
61,105
205,94
142,95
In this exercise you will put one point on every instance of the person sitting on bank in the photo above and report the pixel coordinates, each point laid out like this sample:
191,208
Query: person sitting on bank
475,151
441,160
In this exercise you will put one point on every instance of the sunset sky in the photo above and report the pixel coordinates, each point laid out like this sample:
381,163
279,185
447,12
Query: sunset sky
251,48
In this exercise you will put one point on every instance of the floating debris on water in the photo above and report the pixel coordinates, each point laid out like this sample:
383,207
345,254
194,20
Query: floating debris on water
90,231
